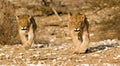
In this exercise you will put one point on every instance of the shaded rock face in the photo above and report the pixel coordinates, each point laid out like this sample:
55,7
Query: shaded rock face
103,17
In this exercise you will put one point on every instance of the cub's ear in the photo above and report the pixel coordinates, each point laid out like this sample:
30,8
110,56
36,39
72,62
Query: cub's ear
69,15
83,17
29,18
17,17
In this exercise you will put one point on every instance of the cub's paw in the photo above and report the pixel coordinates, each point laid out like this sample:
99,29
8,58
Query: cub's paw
80,52
26,46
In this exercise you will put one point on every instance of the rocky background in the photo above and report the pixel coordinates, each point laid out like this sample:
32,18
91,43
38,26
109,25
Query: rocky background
53,44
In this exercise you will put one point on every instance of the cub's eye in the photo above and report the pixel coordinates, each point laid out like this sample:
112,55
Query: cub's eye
77,30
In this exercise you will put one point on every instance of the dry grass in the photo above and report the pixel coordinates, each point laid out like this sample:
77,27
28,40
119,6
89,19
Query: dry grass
8,28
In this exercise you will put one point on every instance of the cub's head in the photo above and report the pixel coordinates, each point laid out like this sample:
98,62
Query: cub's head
23,21
77,21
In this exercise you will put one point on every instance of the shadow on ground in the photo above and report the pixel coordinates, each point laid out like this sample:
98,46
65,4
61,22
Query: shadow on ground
99,48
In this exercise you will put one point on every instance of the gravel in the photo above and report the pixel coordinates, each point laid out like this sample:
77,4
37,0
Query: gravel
104,53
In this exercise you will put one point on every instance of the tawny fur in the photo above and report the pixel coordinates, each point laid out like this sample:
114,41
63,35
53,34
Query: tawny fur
78,27
26,29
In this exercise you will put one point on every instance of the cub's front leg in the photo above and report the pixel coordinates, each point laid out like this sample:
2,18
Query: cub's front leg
23,37
30,38
85,42
76,41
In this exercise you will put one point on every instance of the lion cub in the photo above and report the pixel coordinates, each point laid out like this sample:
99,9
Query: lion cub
78,27
26,29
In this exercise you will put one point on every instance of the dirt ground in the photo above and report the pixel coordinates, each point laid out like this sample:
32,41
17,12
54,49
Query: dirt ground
53,44
102,53
57,48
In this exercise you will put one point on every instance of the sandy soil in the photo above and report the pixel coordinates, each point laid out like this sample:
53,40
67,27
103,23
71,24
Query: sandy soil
102,53
54,47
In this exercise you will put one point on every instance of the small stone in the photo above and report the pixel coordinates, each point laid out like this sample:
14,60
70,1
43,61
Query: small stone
48,54
96,55
1,54
0,49
55,49
106,48
21,53
83,56
7,56
99,51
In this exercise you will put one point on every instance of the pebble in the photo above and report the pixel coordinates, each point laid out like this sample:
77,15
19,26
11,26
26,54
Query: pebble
1,54
21,53
83,56
99,51
107,64
79,60
7,56
83,65
96,55
38,64
117,57
106,48
0,49
48,54
55,49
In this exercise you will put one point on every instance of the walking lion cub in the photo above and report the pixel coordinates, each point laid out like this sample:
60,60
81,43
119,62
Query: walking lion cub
26,29
78,27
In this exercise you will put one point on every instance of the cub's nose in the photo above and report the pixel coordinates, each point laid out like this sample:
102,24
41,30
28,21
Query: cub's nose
77,30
